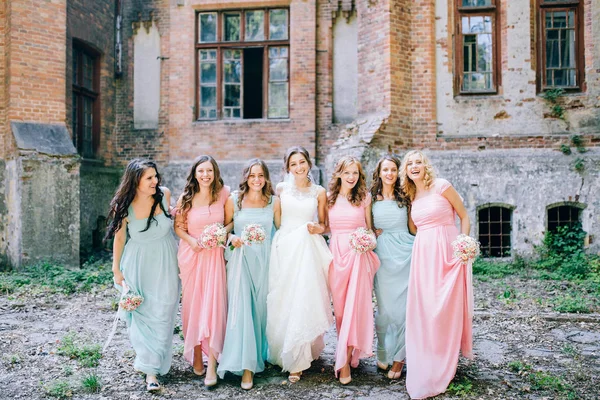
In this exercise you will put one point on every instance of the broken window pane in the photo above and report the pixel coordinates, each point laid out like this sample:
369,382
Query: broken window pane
208,84
255,25
478,53
232,83
278,82
476,3
560,49
231,27
278,24
208,27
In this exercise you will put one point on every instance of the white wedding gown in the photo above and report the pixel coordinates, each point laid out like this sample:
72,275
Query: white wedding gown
298,304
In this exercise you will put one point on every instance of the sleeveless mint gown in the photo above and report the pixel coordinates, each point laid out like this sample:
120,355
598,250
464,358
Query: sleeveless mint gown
149,265
245,345
394,248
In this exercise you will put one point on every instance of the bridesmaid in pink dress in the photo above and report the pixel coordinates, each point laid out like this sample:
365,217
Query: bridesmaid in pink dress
440,295
202,271
350,274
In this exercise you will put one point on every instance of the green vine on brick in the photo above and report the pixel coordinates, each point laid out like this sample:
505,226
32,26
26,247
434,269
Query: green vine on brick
578,143
553,96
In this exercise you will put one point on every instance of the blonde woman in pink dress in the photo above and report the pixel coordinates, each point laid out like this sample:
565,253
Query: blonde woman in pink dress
351,273
440,296
202,271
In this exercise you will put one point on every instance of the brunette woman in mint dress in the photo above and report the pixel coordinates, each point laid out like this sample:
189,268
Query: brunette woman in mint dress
145,257
393,226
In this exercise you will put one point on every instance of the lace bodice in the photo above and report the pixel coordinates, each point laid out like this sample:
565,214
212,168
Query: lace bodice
298,207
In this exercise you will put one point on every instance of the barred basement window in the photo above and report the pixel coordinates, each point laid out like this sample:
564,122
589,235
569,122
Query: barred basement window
477,63
560,38
495,226
563,215
243,64
85,108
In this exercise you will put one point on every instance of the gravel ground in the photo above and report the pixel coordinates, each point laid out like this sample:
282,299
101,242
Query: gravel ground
524,350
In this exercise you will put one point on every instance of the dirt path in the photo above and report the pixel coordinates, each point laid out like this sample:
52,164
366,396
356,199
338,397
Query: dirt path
524,352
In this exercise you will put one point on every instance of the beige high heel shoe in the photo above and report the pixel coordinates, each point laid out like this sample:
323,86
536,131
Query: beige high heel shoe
294,376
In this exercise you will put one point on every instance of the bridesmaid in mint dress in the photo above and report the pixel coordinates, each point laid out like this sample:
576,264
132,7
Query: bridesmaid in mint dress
245,348
438,326
145,257
394,229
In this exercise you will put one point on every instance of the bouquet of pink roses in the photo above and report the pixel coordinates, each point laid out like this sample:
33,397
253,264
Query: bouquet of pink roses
253,233
130,301
465,247
363,240
213,236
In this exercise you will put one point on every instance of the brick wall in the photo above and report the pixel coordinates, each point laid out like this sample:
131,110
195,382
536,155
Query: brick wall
179,137
37,61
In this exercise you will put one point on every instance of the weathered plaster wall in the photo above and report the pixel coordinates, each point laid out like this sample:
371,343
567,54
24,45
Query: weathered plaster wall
517,109
49,197
527,179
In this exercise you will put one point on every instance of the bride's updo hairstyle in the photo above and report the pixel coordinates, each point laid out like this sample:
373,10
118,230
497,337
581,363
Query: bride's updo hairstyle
297,150
358,192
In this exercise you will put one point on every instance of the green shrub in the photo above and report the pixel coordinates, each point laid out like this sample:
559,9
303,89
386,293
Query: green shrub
91,383
572,304
59,389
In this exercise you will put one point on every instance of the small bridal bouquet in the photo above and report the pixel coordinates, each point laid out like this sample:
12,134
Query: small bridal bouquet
465,247
253,234
213,236
130,301
362,240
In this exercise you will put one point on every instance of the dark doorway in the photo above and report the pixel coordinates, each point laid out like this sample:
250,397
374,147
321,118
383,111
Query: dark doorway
253,83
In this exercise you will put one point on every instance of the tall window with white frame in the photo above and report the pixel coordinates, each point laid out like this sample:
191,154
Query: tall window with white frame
495,226
477,63
243,64
560,45
85,112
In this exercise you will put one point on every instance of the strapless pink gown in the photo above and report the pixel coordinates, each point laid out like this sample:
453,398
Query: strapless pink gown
440,298
203,280
351,281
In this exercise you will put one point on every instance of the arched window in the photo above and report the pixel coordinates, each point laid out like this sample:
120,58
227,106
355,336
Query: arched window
562,214
495,226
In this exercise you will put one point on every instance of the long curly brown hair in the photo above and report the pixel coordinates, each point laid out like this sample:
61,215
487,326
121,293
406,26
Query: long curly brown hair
408,186
119,205
192,186
267,190
358,192
401,198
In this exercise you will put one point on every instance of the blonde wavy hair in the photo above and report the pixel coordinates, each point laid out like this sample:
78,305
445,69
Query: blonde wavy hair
358,192
408,186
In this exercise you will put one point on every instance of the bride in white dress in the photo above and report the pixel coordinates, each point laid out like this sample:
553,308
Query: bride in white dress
298,303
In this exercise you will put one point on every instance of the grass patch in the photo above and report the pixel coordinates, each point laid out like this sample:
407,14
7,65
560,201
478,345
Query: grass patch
545,381
56,278
60,389
87,355
460,387
541,380
91,383
572,304
492,269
